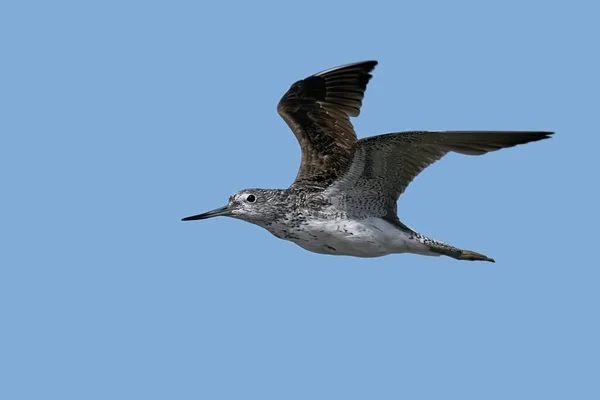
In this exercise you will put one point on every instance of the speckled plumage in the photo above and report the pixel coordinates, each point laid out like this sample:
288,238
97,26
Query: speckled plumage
343,200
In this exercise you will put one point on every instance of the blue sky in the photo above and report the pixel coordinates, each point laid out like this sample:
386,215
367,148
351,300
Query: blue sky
120,118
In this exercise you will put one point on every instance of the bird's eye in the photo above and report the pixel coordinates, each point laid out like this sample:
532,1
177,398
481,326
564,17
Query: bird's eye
251,198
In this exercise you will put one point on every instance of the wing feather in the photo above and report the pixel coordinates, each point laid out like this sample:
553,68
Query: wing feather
383,166
318,110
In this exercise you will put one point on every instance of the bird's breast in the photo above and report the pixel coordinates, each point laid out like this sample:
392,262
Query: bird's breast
368,237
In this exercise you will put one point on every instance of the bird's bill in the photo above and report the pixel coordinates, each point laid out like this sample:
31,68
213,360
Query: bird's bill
214,213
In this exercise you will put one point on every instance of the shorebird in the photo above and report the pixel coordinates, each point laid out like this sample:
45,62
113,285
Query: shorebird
343,200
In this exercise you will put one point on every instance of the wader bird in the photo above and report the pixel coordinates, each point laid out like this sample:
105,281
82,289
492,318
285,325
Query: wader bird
343,200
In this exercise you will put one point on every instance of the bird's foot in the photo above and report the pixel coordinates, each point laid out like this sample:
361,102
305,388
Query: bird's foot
473,256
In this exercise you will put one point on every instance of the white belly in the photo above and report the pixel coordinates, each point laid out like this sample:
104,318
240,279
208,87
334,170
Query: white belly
369,237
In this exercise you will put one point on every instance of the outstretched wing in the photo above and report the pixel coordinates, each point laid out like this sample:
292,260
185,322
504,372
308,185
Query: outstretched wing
318,110
383,166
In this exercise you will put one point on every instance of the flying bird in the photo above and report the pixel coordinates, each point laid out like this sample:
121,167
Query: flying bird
343,200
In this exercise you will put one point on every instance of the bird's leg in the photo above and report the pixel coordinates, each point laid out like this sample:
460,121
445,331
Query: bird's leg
459,254
473,256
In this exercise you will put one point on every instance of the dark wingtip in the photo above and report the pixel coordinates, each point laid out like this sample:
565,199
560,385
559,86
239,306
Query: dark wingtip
367,65
370,64
543,135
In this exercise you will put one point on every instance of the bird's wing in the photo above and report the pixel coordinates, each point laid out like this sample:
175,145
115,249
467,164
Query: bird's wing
383,166
318,110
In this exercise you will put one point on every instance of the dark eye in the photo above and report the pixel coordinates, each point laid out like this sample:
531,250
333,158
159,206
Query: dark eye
251,198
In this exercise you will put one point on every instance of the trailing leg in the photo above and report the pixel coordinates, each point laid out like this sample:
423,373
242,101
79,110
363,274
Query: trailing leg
459,254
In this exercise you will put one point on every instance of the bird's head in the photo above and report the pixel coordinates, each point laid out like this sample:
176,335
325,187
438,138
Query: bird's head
257,206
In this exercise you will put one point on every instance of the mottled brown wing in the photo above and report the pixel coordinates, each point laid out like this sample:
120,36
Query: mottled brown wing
318,110
383,166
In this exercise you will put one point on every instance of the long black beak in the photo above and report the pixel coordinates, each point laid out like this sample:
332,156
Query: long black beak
214,213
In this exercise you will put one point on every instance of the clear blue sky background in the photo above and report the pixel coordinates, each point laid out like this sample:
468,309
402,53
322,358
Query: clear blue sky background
120,118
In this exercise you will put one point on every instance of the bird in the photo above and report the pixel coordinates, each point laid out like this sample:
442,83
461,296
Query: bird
343,200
